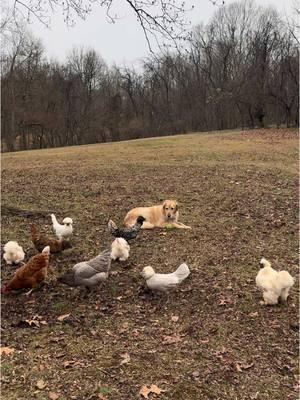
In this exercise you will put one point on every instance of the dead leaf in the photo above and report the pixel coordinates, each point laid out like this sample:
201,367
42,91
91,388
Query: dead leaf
6,350
124,328
247,366
172,339
32,322
126,358
68,364
63,317
155,389
238,367
175,318
253,314
40,384
73,363
53,395
145,392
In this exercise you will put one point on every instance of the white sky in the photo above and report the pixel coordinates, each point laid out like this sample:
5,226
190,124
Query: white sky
122,42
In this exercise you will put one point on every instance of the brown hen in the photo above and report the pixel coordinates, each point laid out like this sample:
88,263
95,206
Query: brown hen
30,274
40,241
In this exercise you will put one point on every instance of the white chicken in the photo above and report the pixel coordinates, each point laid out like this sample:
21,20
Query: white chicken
165,282
273,284
13,253
64,231
120,249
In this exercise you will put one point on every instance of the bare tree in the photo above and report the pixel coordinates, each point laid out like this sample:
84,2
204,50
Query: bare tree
157,18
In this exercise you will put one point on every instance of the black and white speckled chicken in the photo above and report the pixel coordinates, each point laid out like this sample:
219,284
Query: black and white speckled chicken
126,233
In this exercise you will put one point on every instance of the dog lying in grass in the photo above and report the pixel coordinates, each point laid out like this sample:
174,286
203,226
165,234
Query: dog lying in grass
159,216
274,285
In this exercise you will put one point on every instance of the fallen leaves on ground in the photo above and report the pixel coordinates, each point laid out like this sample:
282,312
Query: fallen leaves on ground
41,384
6,350
172,339
126,358
63,317
145,391
53,395
240,367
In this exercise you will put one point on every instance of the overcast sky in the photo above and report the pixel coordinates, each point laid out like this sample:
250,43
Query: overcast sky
122,42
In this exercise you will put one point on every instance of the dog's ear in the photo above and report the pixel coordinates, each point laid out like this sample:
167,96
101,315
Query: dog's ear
164,204
176,206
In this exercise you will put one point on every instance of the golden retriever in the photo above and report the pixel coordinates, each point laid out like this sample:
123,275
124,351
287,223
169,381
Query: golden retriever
156,216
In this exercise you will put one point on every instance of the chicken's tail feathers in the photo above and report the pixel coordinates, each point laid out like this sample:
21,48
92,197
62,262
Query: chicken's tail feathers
46,250
54,220
105,258
286,280
111,226
68,278
264,262
34,231
182,272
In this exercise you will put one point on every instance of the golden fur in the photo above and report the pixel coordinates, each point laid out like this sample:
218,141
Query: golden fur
156,216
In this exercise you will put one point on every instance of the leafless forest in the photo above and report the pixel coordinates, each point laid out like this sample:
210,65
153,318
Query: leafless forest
239,70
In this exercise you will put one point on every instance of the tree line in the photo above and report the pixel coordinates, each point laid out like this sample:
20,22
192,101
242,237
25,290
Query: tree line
238,70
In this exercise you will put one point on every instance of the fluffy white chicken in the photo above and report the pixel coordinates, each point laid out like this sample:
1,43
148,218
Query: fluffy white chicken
120,249
273,284
165,282
13,253
64,231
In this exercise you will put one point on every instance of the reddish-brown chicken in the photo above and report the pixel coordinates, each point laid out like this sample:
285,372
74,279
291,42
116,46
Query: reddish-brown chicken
30,274
40,241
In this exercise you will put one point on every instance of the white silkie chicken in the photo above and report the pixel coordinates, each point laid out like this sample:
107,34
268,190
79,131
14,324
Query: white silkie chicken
274,285
64,231
165,282
13,253
120,249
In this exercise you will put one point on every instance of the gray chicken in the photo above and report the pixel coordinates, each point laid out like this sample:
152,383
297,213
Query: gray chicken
88,273
126,233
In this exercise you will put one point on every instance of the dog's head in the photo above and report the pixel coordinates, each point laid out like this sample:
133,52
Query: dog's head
170,209
147,272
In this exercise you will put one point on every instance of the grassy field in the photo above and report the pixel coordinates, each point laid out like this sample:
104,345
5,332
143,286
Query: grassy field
212,339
